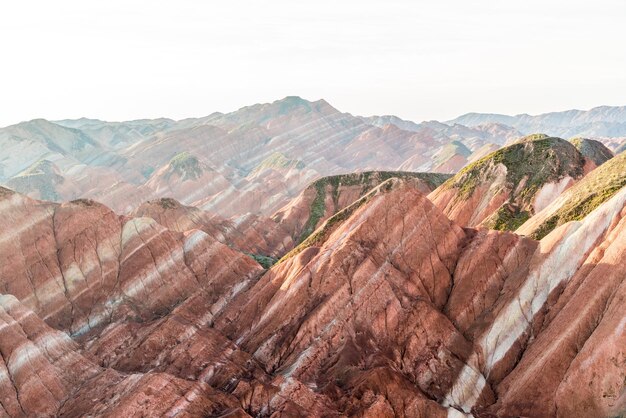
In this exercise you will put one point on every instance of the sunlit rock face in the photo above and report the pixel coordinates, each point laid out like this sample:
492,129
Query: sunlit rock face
577,202
574,366
393,310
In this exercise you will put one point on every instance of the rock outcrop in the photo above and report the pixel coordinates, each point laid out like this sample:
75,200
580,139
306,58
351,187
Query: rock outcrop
573,362
80,266
43,374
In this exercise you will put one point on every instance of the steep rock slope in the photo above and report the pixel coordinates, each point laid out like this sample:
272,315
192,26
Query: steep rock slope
84,270
576,203
371,293
573,364
79,266
151,343
388,309
345,314
328,195
148,334
505,188
249,233
43,373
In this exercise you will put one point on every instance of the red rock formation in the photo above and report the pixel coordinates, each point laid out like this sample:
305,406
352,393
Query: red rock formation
42,373
359,302
388,309
481,273
327,196
578,201
247,233
78,265
576,364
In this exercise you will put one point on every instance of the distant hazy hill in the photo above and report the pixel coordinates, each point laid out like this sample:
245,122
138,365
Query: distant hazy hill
602,121
251,160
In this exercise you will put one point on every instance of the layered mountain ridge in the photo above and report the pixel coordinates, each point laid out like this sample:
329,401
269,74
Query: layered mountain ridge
505,188
329,195
242,156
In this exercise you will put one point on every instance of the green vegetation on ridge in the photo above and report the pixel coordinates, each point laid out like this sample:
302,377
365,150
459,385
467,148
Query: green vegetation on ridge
596,188
368,180
323,232
530,163
537,161
507,218
596,151
265,261
278,160
533,137
186,165
450,150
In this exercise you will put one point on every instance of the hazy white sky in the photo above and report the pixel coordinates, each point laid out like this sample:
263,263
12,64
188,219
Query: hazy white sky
419,60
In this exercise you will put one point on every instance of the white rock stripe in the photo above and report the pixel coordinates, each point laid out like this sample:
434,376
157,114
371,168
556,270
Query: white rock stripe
555,262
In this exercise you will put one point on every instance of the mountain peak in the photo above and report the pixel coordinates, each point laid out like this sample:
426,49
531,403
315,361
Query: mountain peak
38,123
533,137
507,186
292,101
42,167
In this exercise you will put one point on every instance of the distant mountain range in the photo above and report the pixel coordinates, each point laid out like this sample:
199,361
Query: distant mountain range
602,121
255,159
